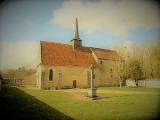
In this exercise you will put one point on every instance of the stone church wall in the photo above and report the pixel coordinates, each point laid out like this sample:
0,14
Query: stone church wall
108,73
63,77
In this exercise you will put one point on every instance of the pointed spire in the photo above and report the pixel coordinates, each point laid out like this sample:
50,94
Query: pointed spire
76,42
76,34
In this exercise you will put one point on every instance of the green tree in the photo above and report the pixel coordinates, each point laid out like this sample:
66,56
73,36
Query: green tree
134,70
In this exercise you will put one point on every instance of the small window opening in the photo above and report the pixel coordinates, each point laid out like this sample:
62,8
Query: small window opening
111,73
50,74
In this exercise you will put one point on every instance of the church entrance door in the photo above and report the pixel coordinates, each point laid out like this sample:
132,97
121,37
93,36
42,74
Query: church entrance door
74,84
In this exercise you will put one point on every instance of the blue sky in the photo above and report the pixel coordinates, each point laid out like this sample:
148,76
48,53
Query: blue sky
103,24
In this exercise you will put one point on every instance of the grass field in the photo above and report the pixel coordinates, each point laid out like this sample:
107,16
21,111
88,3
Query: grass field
115,103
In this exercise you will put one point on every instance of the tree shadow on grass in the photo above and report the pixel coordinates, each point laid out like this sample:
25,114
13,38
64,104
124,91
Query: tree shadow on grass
18,105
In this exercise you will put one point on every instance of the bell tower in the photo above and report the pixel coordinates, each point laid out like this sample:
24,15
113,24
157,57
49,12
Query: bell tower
76,42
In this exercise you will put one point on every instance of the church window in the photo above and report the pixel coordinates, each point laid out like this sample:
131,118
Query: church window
89,78
50,74
111,75
101,62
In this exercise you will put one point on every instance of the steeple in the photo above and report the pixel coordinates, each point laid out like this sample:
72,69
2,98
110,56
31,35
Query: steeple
76,42
76,34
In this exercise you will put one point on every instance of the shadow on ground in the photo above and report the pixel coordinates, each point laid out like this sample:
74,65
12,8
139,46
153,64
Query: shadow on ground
18,105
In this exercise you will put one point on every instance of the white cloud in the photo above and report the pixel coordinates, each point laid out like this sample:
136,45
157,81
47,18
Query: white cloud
115,17
16,54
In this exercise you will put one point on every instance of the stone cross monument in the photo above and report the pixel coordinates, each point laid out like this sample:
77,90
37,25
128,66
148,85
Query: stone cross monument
91,70
92,90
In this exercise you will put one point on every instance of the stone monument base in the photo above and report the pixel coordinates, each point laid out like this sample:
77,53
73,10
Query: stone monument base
92,92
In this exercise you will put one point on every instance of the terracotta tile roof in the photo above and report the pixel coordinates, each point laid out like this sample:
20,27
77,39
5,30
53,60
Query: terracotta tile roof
57,54
105,54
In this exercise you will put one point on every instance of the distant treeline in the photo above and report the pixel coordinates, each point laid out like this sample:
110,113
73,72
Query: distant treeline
19,73
140,62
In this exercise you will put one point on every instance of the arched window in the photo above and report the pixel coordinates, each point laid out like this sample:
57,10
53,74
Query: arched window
50,74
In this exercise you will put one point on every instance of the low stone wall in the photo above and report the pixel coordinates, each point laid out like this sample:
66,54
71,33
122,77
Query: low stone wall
26,81
151,83
29,81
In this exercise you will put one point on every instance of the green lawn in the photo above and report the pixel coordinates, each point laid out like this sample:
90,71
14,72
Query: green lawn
115,103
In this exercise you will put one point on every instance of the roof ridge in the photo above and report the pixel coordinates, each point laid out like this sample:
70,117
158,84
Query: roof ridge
51,42
101,49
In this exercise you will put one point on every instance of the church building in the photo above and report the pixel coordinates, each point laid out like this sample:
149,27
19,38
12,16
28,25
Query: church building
68,65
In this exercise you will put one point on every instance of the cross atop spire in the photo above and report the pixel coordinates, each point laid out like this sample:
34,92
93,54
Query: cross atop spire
76,34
